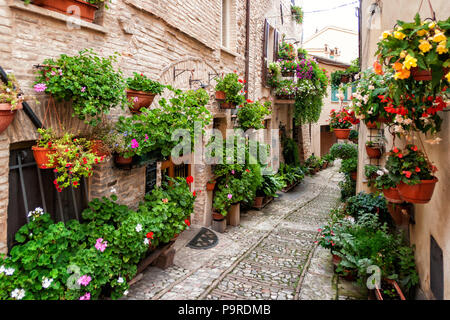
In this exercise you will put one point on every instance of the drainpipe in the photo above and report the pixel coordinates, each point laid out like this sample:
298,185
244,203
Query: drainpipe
360,33
247,47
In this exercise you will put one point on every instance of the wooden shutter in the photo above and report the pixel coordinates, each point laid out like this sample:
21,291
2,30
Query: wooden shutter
265,52
275,44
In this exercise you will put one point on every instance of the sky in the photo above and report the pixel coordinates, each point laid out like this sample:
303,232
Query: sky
344,17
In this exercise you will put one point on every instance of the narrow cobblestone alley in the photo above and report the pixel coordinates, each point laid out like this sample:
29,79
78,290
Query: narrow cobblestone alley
268,257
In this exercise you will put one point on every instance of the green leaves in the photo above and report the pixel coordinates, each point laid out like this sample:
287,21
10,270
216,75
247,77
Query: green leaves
251,115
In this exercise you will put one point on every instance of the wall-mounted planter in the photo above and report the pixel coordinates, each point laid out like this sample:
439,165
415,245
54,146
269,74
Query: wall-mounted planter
210,186
41,157
418,193
123,161
87,10
227,105
373,152
139,99
372,125
342,133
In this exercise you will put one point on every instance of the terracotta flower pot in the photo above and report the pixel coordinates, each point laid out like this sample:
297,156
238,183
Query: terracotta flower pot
6,115
258,202
392,195
140,99
220,95
336,260
353,175
421,74
99,148
210,186
227,105
418,193
373,152
371,124
121,160
87,10
217,216
342,133
41,157
395,210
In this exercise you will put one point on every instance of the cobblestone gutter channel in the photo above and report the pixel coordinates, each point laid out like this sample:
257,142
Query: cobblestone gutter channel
267,257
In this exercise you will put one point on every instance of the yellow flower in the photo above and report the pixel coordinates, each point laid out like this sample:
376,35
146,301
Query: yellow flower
448,76
386,34
422,32
425,46
403,54
431,25
399,35
409,62
439,36
442,48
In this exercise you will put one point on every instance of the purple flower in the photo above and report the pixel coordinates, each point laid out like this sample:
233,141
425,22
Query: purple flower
134,144
83,89
232,171
100,245
84,280
136,99
40,87
230,196
146,137
87,296
53,73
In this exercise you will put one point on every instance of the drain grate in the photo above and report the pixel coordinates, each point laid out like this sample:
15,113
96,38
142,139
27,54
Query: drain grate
204,239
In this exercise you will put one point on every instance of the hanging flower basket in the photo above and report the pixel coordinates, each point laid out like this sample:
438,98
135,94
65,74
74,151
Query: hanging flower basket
392,195
342,133
139,99
418,193
7,115
87,10
41,157
220,95
373,152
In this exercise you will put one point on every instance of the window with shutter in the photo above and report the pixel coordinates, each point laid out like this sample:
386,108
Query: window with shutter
265,52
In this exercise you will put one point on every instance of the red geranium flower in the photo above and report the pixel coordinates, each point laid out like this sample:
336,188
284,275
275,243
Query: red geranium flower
149,235
407,174
395,149
75,183
187,222
249,101
417,169
400,155
414,148
194,194
189,180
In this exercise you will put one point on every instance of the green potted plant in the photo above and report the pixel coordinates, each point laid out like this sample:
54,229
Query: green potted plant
371,173
141,91
232,87
286,51
90,82
72,159
349,166
10,101
388,186
297,14
288,67
251,115
413,172
353,136
268,190
210,184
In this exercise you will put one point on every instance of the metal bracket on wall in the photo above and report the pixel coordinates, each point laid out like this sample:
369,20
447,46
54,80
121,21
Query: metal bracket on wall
211,76
179,72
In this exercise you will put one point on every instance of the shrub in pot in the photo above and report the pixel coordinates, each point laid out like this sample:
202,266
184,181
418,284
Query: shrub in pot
341,122
413,172
141,91
251,115
344,151
10,101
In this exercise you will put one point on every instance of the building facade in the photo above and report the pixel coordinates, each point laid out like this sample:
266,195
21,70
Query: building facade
428,230
171,41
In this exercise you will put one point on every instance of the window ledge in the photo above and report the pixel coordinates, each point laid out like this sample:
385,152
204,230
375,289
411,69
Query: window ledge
20,5
230,52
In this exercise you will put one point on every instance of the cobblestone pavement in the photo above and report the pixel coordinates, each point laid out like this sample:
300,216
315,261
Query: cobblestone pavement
271,255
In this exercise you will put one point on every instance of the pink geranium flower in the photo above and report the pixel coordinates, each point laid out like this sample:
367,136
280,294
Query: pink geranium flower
84,280
230,196
87,296
40,87
100,245
134,144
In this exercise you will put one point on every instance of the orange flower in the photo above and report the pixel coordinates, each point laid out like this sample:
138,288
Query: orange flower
378,68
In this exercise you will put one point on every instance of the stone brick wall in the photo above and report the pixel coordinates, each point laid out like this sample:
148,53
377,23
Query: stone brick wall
153,37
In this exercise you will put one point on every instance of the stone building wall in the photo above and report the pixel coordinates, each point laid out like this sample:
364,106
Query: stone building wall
153,37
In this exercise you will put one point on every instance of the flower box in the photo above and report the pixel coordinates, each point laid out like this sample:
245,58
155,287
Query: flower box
86,9
342,133
123,161
220,95
227,105
210,186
